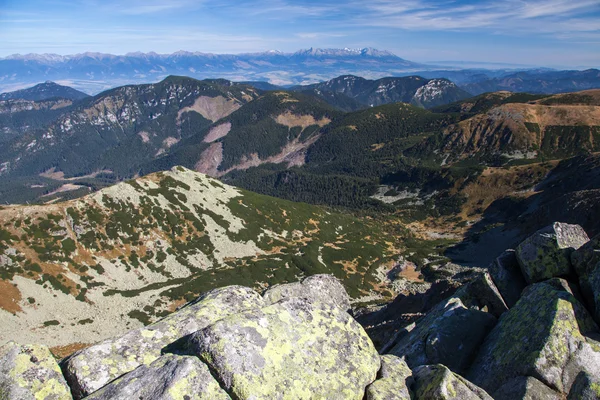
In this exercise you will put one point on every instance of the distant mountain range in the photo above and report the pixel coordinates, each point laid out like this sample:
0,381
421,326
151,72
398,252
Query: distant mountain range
45,91
95,72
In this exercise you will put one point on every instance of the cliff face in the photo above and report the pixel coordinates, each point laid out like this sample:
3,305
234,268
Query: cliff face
526,327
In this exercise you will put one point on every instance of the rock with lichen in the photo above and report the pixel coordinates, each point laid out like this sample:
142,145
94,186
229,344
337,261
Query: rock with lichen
449,334
30,372
322,287
507,276
585,387
436,382
393,380
89,369
170,377
586,261
293,349
545,335
547,253
525,388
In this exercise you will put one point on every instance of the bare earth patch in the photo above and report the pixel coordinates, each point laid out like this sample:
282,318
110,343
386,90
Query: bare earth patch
217,132
211,108
68,187
292,120
10,297
210,159
145,136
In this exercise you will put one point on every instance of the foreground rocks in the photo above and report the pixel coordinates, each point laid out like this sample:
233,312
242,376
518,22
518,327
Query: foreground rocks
526,330
90,369
296,347
30,372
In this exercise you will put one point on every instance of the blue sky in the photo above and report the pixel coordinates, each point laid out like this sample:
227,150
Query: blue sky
554,33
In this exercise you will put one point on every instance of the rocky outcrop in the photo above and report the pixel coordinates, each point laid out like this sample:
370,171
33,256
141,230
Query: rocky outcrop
90,369
436,382
322,287
30,372
547,253
298,341
585,387
544,336
170,377
586,261
393,381
525,388
450,334
296,347
507,276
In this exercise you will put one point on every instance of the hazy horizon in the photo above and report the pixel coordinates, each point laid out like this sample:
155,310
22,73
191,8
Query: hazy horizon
550,33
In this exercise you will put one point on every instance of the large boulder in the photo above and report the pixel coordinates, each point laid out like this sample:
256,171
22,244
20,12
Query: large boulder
393,380
170,377
89,369
482,293
30,372
295,348
507,276
525,388
545,336
322,287
436,382
449,334
586,261
585,387
547,253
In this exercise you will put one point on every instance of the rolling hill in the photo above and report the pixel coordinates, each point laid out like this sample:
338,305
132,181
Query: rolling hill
45,91
83,270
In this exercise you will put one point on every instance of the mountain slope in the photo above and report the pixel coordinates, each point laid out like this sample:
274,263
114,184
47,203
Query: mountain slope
552,127
45,91
538,81
124,127
411,89
276,127
134,251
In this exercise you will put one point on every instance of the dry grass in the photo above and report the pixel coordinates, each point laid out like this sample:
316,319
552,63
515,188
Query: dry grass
10,297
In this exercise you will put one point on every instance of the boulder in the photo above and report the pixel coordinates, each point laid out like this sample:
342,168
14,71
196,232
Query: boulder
170,377
293,349
585,387
547,253
507,276
322,287
436,382
393,380
89,369
482,293
586,261
525,388
30,372
545,336
450,334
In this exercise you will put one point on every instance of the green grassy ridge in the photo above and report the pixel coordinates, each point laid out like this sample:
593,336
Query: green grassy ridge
43,241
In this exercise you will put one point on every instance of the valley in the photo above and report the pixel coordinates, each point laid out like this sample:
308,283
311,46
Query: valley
142,197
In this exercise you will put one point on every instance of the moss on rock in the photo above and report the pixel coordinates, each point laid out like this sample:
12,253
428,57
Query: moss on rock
170,377
91,368
30,372
293,349
543,336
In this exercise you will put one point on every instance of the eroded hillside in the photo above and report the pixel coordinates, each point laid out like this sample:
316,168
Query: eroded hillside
86,269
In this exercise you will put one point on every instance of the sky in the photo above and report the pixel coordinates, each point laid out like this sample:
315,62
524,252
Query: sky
551,33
